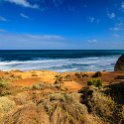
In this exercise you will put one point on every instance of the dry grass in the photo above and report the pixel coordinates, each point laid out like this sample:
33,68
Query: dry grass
40,86
6,104
55,102
55,108
29,114
59,108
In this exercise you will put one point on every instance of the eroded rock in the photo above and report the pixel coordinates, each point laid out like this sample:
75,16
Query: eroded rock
119,66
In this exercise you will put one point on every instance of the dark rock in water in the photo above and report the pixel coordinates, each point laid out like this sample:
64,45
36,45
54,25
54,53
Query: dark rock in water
119,66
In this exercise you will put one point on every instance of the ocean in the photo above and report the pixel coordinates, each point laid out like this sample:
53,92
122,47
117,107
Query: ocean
59,60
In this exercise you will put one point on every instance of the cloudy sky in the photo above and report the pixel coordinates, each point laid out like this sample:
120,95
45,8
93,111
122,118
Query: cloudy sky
61,24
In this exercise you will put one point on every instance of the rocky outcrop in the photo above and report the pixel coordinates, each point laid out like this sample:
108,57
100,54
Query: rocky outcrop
119,66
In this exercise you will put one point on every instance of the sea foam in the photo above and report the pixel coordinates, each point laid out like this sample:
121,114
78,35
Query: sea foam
63,64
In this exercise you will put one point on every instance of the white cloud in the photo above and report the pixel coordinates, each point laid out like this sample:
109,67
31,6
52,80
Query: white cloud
111,15
94,20
116,35
91,19
122,5
23,3
115,29
3,19
94,41
30,41
24,16
44,37
118,27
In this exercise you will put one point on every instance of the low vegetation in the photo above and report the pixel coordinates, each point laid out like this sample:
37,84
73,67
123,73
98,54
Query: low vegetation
40,86
55,103
106,103
3,83
6,104
97,74
4,87
80,75
95,82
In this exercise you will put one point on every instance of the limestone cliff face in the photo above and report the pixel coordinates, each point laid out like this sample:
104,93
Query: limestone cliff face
119,66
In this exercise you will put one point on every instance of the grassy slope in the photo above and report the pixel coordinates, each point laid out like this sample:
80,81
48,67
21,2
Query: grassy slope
45,97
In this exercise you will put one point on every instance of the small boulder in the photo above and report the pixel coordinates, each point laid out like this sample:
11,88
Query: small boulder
119,66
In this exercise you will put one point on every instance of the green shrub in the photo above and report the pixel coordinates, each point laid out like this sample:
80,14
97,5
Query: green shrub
3,83
95,82
102,106
122,114
3,87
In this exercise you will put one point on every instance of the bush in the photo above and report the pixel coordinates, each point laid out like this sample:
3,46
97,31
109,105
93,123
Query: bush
122,114
95,82
97,74
3,83
40,86
109,110
116,91
85,75
62,107
102,106
57,97
6,104
3,87
78,75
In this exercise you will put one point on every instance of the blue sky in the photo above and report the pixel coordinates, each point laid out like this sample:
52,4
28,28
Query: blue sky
61,24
